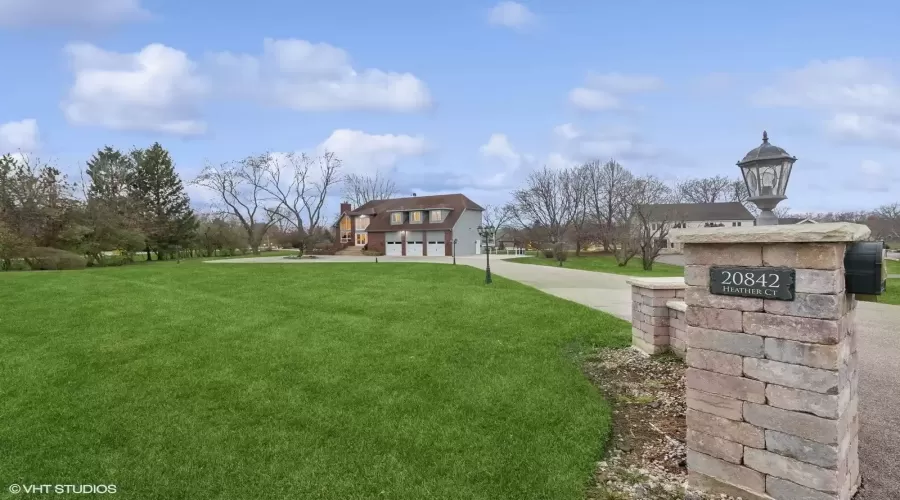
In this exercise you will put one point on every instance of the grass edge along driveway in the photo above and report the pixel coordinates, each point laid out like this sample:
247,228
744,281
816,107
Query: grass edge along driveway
604,263
401,381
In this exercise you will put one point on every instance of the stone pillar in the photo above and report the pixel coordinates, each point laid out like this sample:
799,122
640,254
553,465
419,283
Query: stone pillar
771,384
677,332
649,312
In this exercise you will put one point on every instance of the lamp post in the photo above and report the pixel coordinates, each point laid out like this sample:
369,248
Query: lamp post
454,250
486,232
766,170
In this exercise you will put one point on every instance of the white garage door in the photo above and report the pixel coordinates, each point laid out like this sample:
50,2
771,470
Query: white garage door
414,244
393,244
436,246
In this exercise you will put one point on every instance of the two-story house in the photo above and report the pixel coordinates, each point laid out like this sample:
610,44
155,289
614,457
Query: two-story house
678,216
414,226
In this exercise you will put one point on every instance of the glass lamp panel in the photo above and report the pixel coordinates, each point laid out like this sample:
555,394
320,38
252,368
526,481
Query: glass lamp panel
785,176
768,180
750,178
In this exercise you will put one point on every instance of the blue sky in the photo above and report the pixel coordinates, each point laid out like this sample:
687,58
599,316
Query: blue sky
466,95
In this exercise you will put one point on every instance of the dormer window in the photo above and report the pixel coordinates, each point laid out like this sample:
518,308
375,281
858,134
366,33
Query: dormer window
415,217
436,216
397,218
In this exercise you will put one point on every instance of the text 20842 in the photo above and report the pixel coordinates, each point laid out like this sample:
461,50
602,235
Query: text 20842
775,283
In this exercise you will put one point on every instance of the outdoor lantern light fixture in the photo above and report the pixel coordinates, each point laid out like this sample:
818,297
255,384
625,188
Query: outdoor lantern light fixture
487,232
766,170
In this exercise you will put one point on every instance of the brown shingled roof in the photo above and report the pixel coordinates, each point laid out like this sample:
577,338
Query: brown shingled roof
379,211
697,211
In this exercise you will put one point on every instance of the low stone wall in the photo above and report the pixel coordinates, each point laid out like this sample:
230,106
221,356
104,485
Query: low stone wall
657,304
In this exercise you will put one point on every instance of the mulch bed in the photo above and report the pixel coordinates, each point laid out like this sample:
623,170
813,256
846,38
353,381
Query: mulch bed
647,454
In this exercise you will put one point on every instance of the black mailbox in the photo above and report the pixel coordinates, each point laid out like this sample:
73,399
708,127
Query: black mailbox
865,269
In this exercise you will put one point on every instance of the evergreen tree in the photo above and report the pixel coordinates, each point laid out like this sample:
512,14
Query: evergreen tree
168,220
110,209
111,174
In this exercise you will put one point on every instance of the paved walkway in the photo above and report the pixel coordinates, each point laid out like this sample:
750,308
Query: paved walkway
879,345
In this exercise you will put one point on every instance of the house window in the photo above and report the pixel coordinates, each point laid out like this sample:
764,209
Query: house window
436,216
739,223
362,223
397,218
734,224
416,217
346,225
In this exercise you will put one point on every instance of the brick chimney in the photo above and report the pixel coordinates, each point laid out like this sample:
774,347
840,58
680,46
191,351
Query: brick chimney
345,207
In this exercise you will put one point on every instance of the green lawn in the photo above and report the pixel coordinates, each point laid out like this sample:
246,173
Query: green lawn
892,294
343,381
605,264
893,266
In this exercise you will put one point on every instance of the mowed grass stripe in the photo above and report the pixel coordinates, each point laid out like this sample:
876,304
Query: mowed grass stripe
305,381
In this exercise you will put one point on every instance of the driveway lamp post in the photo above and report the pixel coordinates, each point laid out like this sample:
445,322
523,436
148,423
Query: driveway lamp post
454,250
486,232
766,170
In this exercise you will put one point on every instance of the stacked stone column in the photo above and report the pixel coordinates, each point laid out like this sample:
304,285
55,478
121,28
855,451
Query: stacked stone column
650,316
772,385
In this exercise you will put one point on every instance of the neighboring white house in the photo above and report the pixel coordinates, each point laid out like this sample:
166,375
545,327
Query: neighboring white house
678,216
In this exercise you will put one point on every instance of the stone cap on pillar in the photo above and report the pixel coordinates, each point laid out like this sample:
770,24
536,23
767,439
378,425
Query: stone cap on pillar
676,283
830,232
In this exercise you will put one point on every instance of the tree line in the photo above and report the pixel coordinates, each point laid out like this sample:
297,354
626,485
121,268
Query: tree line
125,201
133,204
629,215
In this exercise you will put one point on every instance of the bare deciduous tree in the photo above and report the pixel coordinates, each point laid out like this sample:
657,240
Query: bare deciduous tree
239,188
607,188
361,189
545,204
579,191
706,190
299,184
653,217
885,222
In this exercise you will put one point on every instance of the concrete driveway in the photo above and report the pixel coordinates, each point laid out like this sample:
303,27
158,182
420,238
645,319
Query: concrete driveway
879,345
879,395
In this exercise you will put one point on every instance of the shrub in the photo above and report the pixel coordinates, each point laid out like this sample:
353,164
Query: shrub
54,259
562,255
548,253
372,253
325,248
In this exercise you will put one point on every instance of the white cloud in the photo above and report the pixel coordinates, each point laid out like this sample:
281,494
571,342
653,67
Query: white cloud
306,76
498,147
872,177
861,97
366,153
851,126
559,161
603,92
613,142
871,168
514,163
156,89
566,131
27,13
19,136
511,15
594,99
